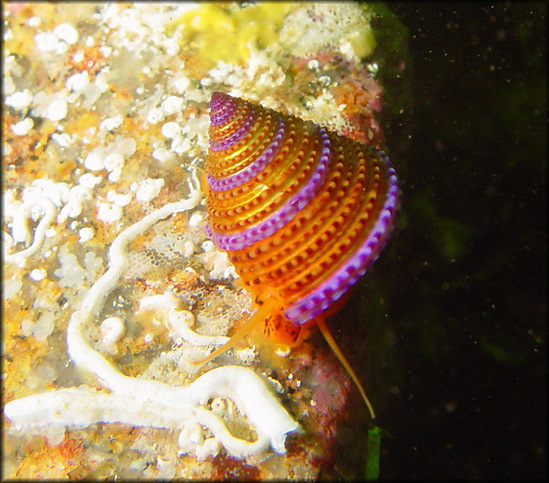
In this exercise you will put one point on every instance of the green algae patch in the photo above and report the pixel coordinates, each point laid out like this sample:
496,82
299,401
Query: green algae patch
373,446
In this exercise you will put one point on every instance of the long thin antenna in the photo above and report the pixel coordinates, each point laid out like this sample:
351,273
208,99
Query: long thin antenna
333,345
240,333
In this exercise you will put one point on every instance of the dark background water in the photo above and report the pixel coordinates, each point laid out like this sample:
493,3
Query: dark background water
453,344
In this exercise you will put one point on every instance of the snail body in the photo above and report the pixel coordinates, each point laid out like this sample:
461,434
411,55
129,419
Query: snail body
301,212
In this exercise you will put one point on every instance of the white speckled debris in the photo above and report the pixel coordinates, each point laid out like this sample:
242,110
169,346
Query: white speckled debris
147,402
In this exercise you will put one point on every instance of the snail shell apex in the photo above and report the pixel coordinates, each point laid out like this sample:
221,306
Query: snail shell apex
302,212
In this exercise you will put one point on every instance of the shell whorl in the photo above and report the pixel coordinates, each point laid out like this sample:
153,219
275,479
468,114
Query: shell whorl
300,210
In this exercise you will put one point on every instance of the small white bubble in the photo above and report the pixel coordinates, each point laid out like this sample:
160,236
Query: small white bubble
109,213
38,274
313,64
20,100
170,130
195,219
172,105
154,116
86,234
63,140
111,123
88,180
34,21
66,32
149,189
46,41
113,161
57,110
22,127
119,199
77,82
94,162
163,155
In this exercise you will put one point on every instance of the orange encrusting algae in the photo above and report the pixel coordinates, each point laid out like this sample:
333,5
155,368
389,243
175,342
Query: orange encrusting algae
302,213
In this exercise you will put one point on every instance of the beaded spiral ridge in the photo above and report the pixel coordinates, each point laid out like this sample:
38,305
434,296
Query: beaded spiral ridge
302,212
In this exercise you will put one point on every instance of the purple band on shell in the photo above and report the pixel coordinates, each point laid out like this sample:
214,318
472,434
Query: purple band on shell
357,264
246,174
222,116
295,204
222,107
236,136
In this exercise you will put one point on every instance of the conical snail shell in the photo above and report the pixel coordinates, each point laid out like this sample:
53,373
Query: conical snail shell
302,212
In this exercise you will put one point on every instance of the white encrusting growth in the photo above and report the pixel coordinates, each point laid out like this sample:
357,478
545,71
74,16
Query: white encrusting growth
57,110
38,274
86,234
164,406
148,189
20,230
45,200
147,402
20,100
112,329
23,127
218,261
181,321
